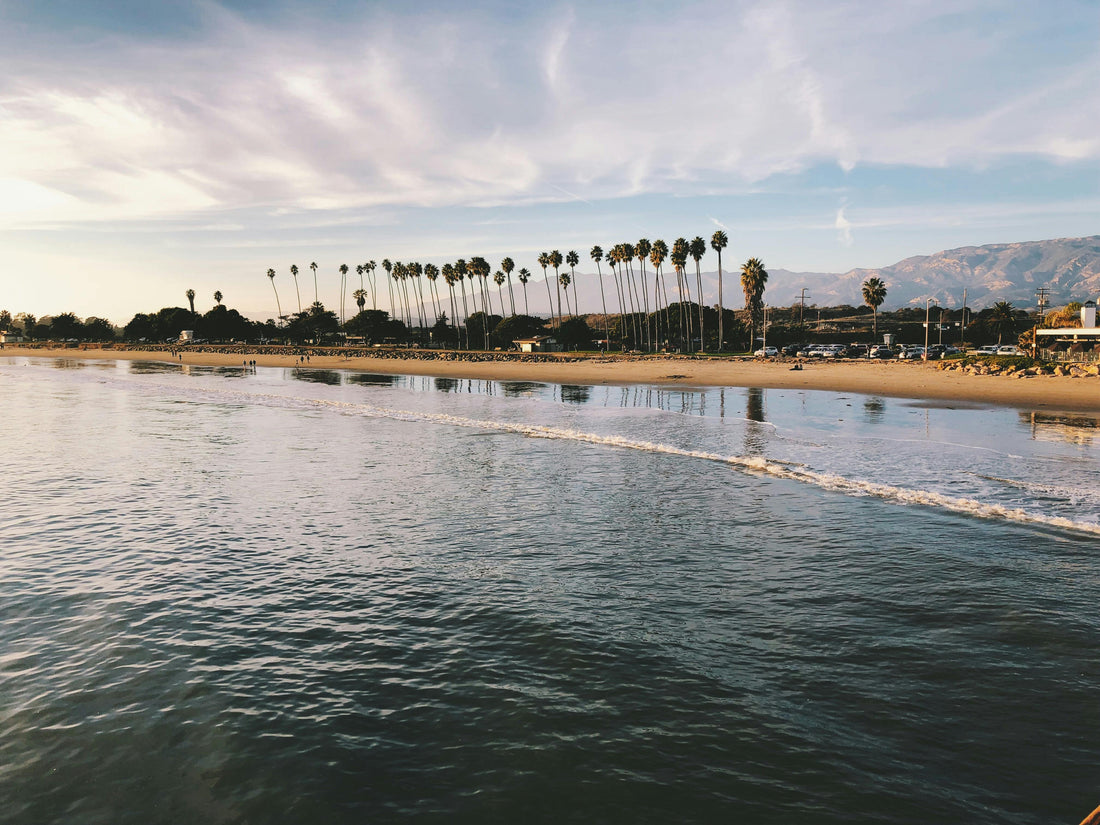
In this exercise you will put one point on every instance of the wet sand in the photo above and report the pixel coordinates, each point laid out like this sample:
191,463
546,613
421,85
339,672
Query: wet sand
901,379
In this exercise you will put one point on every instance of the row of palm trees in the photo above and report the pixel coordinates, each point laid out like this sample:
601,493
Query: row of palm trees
635,298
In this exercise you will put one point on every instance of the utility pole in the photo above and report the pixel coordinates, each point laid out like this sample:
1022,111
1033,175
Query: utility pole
962,323
801,312
1041,294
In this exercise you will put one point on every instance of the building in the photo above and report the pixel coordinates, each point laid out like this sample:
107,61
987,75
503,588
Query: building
1075,344
540,343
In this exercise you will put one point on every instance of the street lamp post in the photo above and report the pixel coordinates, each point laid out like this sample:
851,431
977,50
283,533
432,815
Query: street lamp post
927,320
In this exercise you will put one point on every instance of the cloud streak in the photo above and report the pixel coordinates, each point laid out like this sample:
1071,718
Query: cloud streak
400,109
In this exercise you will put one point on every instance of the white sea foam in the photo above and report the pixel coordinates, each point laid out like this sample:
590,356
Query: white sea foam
788,470
753,464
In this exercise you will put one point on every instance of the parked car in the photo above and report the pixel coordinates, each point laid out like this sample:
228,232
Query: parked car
988,349
811,351
766,352
1010,349
911,353
791,349
834,351
857,350
883,353
936,350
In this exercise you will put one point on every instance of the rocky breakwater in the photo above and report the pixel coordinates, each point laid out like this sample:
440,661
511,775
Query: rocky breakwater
1019,368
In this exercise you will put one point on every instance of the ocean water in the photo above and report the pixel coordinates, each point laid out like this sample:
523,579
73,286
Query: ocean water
267,596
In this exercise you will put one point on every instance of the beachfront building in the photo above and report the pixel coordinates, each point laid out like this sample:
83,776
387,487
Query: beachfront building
1072,344
539,343
10,338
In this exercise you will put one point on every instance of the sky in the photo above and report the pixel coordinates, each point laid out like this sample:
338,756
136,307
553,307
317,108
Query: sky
150,148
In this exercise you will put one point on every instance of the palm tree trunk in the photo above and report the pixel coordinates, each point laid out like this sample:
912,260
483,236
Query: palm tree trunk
721,311
549,297
511,295
465,312
699,281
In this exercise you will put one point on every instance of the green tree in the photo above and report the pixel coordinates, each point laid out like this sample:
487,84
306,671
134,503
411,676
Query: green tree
516,327
479,327
191,300
575,334
874,293
66,326
218,296
1002,319
754,279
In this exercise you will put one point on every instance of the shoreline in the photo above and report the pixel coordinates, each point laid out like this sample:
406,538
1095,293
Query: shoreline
897,379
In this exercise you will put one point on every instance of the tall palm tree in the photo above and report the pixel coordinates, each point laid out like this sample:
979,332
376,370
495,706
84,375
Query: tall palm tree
313,266
1003,319
572,258
641,252
386,265
718,242
544,261
416,271
698,249
448,273
753,280
506,266
294,274
360,296
218,296
657,257
499,279
191,299
678,257
874,293
596,253
555,261
565,281
370,267
524,277
271,275
460,276
343,280
431,272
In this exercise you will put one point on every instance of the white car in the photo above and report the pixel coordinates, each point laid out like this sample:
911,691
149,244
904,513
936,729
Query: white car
766,352
1009,349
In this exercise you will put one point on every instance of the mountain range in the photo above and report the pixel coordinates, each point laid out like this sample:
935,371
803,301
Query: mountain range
1068,267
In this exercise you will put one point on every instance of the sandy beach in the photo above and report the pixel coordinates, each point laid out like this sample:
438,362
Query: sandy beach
901,379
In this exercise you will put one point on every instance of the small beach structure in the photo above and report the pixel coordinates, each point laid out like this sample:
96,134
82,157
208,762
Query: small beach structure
1072,344
539,343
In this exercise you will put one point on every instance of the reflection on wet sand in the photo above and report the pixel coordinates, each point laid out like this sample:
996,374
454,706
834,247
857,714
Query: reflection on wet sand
371,379
1075,428
330,377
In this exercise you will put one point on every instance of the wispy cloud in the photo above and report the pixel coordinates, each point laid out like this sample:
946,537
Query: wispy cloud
843,227
397,108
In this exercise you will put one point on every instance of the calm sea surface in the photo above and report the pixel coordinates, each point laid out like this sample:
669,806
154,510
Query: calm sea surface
290,596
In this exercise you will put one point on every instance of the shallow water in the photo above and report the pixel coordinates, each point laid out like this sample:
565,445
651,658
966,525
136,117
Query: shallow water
304,595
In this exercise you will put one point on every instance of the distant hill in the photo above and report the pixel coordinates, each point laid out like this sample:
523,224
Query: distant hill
1069,267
